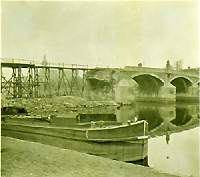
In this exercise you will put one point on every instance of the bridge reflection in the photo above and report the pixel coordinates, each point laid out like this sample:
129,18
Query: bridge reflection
163,119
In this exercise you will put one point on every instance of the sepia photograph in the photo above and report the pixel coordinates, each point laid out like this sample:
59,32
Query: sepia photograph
100,88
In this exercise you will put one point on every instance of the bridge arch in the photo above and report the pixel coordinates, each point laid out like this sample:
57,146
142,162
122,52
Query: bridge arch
149,74
148,83
181,83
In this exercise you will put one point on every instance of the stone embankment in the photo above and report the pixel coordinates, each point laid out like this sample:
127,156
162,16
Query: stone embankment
23,158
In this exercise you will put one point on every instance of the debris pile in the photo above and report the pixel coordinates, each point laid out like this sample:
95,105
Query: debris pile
59,105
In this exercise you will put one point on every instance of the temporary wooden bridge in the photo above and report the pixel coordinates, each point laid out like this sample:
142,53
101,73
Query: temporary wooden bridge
37,85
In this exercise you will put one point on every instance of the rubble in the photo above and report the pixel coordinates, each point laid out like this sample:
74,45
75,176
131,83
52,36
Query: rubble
59,105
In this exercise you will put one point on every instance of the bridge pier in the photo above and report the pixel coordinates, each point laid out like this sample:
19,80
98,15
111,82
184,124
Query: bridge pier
167,93
192,94
193,91
125,91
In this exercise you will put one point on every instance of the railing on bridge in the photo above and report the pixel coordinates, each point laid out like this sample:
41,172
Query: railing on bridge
38,64
16,60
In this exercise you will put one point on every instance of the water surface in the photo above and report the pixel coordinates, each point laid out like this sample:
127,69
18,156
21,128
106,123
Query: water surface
179,156
174,129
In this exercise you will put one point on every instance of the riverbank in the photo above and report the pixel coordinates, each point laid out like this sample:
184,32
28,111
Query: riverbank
59,105
23,158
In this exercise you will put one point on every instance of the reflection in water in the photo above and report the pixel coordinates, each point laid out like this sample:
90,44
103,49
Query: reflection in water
151,115
163,119
167,137
182,116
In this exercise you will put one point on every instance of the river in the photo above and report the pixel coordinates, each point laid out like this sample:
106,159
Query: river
174,144
179,156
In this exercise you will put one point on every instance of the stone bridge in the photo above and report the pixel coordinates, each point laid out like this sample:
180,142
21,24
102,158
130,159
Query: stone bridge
134,83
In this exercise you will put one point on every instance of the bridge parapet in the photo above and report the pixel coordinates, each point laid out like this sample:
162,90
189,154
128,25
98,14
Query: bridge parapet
187,72
145,69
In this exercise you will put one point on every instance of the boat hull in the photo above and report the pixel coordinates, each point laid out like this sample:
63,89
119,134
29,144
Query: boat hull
123,142
122,150
115,133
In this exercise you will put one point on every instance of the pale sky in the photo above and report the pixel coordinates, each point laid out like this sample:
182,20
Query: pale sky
103,33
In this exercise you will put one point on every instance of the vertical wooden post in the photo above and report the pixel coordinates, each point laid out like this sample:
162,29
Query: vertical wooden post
83,83
1,79
14,82
36,83
29,82
19,86
72,82
58,80
47,80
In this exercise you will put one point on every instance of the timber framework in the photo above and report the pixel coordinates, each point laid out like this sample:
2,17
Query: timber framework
42,80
